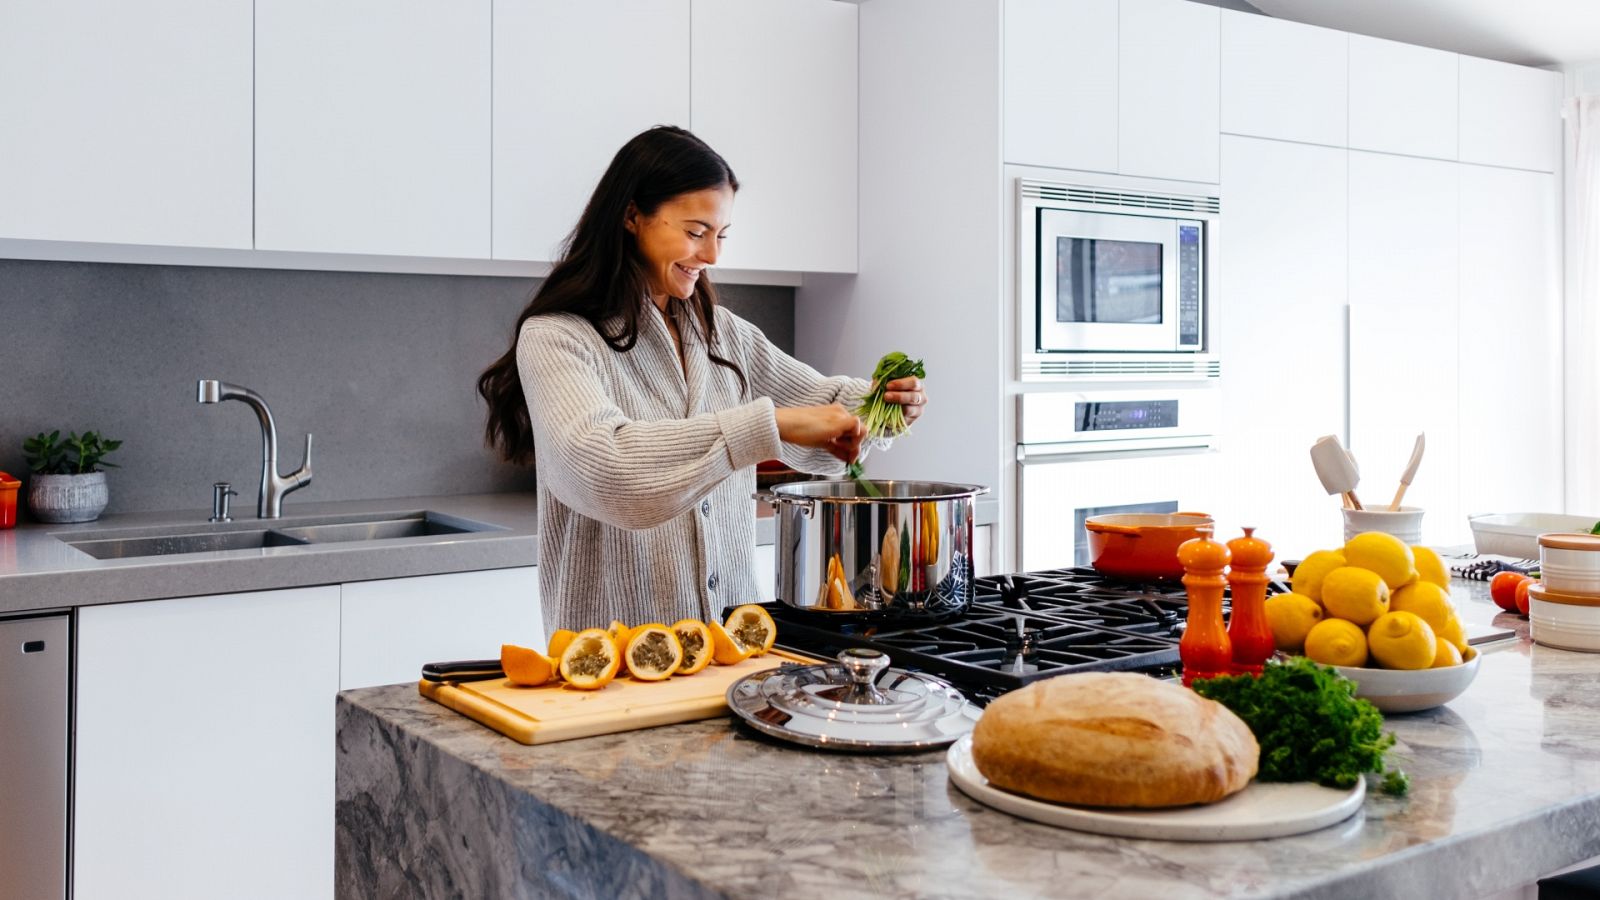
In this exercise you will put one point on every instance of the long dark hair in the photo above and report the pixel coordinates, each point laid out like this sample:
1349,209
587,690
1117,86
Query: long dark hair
600,275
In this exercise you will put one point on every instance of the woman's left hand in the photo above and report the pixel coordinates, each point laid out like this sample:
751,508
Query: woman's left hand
909,393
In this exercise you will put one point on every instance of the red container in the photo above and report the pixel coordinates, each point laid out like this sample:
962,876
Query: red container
8,500
1143,545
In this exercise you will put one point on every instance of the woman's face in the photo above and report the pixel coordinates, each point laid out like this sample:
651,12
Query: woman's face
682,237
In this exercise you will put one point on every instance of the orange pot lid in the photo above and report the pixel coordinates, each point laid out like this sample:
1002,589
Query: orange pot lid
1572,541
1539,592
6,481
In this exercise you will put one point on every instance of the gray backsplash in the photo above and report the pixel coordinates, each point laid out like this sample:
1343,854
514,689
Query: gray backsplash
380,367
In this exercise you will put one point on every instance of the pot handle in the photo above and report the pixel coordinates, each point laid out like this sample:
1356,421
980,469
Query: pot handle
1128,530
808,505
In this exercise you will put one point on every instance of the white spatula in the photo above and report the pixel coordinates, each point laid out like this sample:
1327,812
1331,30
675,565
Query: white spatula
1336,469
1410,472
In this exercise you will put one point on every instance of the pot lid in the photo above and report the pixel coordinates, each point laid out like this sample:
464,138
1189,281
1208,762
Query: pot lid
857,703
1570,541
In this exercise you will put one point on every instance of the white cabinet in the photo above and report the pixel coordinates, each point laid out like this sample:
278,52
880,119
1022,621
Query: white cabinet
1405,327
126,122
1284,80
1403,99
1280,329
1510,115
205,747
1061,84
773,90
391,627
1510,380
1167,98
552,142
372,127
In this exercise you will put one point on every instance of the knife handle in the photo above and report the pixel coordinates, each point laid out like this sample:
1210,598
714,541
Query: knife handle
463,670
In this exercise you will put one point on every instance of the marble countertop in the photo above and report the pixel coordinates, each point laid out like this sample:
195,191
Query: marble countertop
39,570
1505,788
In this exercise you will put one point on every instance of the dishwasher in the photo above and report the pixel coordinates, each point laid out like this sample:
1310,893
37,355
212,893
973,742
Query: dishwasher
36,670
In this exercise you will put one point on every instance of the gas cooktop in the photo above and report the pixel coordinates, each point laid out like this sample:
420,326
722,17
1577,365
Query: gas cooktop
1021,628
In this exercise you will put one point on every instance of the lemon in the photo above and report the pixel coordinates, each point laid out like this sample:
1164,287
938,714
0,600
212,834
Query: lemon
1430,567
1453,632
1401,640
1427,600
1447,655
1307,580
1291,617
1355,595
1335,642
1382,553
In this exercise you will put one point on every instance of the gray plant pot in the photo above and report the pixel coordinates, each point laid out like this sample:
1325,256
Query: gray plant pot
68,498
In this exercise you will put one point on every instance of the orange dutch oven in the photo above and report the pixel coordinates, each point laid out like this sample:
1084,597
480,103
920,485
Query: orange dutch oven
1143,545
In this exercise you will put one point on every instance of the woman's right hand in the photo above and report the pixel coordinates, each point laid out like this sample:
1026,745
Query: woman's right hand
832,428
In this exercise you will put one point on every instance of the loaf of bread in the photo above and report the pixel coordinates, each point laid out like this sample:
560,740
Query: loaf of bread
1113,739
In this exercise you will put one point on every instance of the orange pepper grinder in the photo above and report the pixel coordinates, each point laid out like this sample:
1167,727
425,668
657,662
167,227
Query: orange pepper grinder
1204,648
1248,630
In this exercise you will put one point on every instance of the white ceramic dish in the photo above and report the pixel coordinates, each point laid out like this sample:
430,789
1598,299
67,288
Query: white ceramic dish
1570,562
1517,534
1404,523
1399,691
1258,811
1564,626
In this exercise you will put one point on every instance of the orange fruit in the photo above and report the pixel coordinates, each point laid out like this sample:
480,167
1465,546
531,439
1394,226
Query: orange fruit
695,638
524,666
727,649
591,660
559,641
619,636
653,653
753,627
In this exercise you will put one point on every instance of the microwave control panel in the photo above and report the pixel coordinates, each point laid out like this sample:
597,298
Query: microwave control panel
1188,285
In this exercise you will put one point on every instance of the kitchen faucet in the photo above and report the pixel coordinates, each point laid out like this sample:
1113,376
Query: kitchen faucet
269,505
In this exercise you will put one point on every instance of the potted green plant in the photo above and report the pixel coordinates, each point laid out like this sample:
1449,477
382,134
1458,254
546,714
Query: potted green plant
68,484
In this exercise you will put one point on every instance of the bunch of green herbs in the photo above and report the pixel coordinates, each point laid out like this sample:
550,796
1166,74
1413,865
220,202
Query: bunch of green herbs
1310,724
885,421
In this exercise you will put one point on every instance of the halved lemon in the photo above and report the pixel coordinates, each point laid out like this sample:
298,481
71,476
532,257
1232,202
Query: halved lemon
591,660
653,653
559,641
695,638
753,627
525,666
726,649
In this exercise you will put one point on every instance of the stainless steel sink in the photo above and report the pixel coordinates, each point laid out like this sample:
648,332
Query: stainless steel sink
126,543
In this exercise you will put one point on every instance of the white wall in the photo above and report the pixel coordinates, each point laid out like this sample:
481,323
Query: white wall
1582,379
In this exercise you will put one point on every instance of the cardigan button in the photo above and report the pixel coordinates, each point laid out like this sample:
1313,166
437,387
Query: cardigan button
711,583
705,507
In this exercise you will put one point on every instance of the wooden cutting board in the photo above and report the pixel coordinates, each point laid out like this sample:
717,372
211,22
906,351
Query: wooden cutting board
555,712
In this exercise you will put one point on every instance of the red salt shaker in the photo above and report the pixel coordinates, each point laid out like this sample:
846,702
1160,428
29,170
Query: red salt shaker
1204,648
1248,631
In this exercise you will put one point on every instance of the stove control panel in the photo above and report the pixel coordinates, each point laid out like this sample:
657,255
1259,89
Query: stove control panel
1121,415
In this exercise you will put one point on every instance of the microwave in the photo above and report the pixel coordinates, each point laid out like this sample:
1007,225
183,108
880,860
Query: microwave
1115,273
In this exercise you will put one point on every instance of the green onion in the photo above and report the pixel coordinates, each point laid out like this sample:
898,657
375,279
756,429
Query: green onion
885,421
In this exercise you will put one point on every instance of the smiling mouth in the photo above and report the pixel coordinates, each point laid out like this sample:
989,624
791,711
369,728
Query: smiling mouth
690,273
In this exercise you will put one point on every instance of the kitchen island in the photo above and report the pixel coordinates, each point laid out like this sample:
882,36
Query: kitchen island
1505,787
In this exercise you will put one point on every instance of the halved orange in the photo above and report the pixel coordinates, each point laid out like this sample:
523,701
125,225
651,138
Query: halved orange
653,653
619,636
559,641
591,660
695,638
525,666
726,649
753,627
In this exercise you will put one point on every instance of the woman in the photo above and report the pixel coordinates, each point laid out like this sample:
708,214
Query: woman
645,406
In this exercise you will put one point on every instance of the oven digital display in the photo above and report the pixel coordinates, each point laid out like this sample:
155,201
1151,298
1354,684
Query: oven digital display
1122,415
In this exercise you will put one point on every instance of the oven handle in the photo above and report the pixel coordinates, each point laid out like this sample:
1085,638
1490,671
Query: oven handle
1048,454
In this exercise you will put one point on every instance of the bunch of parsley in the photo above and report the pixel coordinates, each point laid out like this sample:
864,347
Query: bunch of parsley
1309,723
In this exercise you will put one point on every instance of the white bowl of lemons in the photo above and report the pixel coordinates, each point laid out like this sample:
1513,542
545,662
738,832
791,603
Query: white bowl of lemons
1379,612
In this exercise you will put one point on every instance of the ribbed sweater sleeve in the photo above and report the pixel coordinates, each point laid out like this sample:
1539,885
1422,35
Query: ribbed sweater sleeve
790,382
624,472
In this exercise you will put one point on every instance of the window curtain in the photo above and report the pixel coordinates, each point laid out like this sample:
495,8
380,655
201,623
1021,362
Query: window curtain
1582,350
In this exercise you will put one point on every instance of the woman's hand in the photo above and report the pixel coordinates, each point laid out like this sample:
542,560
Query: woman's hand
909,394
832,428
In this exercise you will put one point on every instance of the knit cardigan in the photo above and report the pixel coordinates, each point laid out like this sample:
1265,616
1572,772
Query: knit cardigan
646,467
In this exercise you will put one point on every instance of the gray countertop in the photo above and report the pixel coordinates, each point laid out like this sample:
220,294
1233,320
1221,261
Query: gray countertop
1505,788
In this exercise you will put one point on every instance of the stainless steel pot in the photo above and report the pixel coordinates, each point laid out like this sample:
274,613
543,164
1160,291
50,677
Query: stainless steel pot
905,554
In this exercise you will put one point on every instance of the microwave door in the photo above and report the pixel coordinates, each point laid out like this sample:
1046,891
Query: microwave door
1106,282
1057,492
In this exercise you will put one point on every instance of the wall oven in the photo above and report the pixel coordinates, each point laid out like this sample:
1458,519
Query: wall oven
1113,276
1121,450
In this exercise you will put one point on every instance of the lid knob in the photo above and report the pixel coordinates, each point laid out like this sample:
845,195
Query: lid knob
864,666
